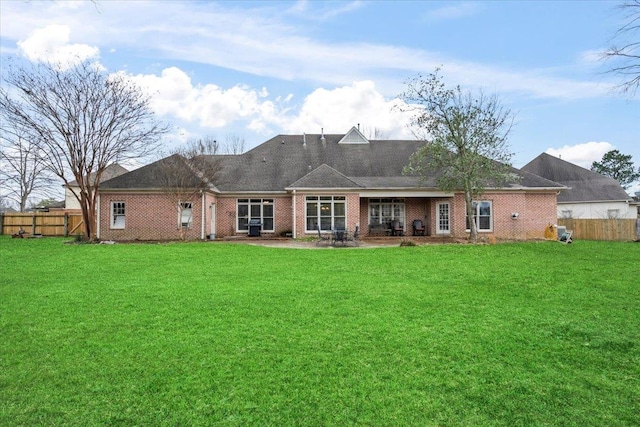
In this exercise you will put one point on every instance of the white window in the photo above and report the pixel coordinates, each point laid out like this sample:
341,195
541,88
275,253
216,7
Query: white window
186,215
385,211
482,216
567,214
443,222
326,212
256,209
117,215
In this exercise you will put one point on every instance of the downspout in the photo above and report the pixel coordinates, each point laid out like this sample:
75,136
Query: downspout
203,217
294,215
98,219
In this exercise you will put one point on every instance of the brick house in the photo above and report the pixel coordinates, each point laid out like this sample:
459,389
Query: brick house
292,184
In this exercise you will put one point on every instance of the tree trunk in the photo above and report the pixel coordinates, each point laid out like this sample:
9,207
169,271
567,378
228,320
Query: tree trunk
473,230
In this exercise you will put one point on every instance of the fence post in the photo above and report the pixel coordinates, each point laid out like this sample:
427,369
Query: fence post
33,224
1,223
66,224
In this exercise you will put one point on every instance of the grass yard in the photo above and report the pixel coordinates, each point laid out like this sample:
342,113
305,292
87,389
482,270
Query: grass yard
522,334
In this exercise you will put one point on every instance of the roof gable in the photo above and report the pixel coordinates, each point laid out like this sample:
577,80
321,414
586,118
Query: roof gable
324,176
353,137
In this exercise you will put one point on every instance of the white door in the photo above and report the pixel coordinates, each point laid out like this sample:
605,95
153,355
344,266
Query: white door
442,219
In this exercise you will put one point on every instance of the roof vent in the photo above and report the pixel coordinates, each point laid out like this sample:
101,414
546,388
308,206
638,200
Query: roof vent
322,138
304,139
264,160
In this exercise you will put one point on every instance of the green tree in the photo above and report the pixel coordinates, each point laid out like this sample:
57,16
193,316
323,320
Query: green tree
618,166
465,138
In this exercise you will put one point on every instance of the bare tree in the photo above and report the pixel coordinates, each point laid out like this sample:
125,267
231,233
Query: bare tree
465,138
234,144
624,53
209,144
82,120
184,176
23,171
373,133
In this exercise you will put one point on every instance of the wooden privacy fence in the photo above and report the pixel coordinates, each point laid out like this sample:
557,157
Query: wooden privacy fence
602,229
42,223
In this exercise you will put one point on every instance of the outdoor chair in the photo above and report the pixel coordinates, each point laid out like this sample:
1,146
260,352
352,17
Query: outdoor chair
418,227
396,228
340,236
566,237
322,238
354,238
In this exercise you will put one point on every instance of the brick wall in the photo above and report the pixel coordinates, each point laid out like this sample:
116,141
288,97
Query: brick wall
535,212
147,217
154,216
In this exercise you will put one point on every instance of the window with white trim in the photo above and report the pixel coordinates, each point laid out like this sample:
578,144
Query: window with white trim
385,211
443,221
327,212
482,216
117,215
186,215
257,209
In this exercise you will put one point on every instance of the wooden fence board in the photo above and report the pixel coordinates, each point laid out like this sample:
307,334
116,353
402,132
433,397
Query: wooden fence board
42,223
602,229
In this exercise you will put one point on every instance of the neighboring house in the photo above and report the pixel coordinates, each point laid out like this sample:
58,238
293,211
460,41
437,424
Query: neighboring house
590,195
295,183
53,206
70,200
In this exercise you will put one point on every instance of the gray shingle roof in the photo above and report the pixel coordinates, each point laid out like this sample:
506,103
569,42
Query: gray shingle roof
310,161
110,172
154,176
585,185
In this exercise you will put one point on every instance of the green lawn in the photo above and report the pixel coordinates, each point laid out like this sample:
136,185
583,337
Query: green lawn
523,334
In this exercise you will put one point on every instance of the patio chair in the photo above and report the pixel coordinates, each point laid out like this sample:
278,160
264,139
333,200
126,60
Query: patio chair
418,227
340,236
322,238
355,236
566,237
396,228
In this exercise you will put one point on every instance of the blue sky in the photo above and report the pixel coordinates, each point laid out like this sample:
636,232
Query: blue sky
256,69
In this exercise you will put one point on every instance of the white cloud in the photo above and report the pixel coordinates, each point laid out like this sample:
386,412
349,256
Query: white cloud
51,44
337,110
173,95
582,154
210,106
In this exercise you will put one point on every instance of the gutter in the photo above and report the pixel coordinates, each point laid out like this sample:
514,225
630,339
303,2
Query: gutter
293,234
98,219
202,207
